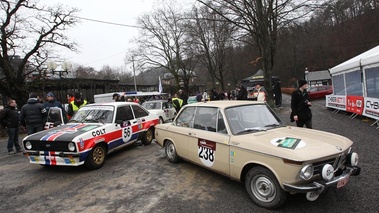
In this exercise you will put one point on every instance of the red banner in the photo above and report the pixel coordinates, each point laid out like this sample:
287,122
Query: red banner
354,104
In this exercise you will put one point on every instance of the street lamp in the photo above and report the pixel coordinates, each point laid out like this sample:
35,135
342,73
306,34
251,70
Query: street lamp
66,66
52,66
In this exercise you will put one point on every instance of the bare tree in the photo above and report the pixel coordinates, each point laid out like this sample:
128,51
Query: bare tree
212,42
163,43
261,20
29,33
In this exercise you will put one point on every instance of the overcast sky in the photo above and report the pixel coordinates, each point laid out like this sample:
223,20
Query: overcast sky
105,44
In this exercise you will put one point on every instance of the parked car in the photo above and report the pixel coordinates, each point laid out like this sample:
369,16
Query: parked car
315,92
93,132
247,141
191,99
162,108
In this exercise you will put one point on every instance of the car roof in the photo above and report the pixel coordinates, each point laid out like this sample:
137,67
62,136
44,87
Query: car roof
116,104
160,100
224,104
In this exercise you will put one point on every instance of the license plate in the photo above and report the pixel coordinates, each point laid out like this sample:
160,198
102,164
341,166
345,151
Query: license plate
342,182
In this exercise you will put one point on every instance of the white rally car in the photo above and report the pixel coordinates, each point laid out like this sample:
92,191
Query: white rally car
162,108
92,133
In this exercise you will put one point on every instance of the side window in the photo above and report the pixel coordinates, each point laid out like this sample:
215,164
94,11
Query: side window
139,112
185,118
124,113
221,128
206,119
164,105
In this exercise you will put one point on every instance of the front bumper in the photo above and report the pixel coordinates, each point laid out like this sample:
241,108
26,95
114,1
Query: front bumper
54,158
320,185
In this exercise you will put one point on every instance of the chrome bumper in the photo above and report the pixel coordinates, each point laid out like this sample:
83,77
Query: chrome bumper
321,184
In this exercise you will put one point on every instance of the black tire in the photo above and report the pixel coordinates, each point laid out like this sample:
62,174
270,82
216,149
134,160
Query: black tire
148,137
264,189
170,151
96,157
161,121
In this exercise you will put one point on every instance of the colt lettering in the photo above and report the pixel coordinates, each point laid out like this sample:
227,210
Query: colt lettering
98,132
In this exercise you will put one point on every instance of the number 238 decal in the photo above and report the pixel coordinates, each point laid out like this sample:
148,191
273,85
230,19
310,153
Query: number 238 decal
207,152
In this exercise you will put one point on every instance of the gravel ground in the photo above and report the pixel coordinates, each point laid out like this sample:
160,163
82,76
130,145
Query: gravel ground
140,179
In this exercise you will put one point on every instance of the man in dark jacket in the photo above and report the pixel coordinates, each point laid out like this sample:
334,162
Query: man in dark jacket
51,102
9,119
33,115
301,113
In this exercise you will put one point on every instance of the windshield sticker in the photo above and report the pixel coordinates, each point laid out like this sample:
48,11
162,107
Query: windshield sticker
88,128
288,142
207,152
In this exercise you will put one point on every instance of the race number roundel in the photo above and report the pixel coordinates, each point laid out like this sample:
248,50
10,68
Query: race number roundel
207,152
126,134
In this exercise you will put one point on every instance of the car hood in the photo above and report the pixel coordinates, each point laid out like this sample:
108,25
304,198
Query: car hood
64,133
293,143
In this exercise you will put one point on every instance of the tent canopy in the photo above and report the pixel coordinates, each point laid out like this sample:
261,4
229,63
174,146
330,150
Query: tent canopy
366,58
258,77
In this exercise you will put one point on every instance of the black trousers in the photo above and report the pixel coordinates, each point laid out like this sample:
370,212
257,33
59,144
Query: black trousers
307,123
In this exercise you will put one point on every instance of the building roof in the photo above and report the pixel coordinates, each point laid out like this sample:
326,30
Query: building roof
318,75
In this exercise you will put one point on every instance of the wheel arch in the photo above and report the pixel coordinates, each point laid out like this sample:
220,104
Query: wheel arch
252,165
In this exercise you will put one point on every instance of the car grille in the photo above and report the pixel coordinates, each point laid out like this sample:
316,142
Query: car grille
336,162
50,146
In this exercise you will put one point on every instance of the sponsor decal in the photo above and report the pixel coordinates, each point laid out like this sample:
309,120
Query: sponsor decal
88,128
288,142
81,143
207,152
98,132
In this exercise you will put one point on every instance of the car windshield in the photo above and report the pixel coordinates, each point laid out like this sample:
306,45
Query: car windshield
152,105
93,114
312,89
251,118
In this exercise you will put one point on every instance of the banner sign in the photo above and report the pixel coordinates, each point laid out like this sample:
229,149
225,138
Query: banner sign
371,108
355,104
336,101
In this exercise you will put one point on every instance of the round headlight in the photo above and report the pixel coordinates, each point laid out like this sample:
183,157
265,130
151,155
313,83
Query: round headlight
352,159
28,145
71,146
306,172
327,172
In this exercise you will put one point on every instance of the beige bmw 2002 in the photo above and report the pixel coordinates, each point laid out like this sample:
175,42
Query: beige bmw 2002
248,142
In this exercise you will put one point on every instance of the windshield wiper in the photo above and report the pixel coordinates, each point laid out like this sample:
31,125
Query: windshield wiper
255,129
273,125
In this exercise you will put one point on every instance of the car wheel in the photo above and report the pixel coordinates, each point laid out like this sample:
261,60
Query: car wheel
148,137
170,151
264,189
96,157
161,121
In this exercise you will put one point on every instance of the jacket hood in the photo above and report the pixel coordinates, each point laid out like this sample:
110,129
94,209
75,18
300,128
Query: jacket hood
32,100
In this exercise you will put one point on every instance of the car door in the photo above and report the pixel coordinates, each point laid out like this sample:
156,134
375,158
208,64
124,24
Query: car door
125,116
179,131
208,143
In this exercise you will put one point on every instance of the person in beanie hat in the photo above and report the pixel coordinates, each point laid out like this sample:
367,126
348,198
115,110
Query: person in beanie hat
51,102
300,105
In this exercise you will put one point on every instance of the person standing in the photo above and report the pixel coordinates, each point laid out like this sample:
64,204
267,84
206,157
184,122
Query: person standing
199,96
51,102
177,102
183,96
33,114
9,119
300,105
76,104
259,92
205,96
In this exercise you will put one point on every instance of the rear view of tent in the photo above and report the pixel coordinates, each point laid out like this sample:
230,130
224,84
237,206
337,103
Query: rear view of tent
356,85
